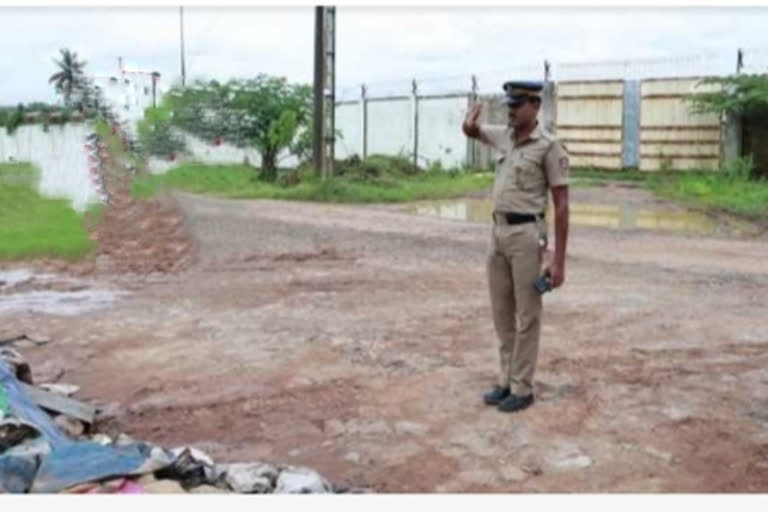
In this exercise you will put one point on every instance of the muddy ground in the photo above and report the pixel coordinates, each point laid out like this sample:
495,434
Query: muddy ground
357,340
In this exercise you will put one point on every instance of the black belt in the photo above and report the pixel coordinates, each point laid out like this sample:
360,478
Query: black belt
514,218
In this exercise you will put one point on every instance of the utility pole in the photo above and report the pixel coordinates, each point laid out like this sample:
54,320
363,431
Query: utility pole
317,134
324,91
181,33
330,89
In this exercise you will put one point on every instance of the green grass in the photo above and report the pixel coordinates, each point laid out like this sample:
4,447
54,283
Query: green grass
33,226
387,180
714,191
590,177
237,181
727,190
600,176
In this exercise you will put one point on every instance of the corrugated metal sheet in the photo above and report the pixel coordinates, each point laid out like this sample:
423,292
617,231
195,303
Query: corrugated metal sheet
589,120
588,88
672,112
670,135
655,163
682,135
698,149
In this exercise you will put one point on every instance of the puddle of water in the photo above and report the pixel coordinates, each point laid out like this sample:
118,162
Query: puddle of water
10,278
73,302
595,215
57,303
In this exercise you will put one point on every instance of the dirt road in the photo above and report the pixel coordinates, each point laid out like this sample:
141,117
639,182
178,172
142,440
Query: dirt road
358,341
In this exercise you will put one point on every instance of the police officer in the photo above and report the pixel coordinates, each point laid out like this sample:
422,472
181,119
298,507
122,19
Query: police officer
530,163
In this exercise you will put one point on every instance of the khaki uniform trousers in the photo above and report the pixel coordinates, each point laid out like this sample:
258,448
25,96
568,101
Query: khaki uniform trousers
513,265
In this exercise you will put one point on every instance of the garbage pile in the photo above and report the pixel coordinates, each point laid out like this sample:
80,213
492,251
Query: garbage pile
47,445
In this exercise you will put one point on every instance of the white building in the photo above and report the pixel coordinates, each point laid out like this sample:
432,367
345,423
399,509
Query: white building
129,92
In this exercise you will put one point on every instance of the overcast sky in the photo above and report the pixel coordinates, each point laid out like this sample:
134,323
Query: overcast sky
385,46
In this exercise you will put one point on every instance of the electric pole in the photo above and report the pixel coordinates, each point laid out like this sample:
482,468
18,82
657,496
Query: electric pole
324,91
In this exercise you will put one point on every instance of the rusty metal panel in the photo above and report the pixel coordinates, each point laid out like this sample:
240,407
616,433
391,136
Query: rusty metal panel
671,136
596,148
712,148
591,112
686,86
589,121
681,136
597,88
673,111
609,162
579,134
655,163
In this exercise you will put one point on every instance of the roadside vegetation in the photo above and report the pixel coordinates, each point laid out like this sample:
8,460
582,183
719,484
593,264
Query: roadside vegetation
33,226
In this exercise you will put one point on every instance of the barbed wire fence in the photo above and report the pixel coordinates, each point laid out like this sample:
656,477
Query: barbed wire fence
704,64
417,117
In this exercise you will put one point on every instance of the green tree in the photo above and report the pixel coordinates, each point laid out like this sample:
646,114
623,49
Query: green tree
265,112
737,94
71,75
156,135
13,118
746,97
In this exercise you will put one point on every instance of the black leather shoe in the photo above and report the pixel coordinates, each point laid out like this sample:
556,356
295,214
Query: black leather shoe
496,395
514,403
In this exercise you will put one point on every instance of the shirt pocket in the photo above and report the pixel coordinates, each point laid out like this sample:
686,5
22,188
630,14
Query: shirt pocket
529,174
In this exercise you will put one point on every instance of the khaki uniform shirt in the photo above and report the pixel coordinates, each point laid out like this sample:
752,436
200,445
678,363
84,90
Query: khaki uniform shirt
527,170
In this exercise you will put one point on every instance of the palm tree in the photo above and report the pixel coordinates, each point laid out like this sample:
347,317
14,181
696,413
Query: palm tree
70,74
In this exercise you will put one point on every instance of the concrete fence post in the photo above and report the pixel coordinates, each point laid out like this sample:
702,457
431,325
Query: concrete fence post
364,120
415,110
549,107
471,143
731,134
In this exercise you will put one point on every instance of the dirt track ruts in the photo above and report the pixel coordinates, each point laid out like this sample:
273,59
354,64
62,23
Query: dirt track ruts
357,341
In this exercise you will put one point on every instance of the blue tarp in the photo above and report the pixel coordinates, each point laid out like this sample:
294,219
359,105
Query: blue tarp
17,473
69,462
24,408
80,462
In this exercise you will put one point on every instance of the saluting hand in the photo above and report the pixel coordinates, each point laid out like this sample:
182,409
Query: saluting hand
470,126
